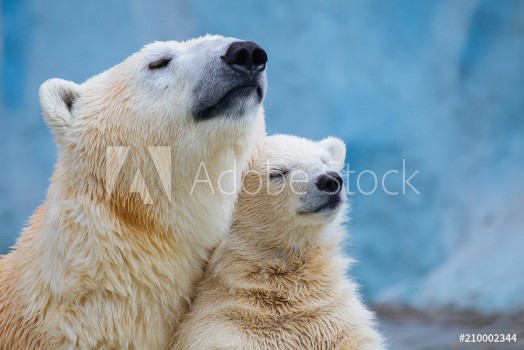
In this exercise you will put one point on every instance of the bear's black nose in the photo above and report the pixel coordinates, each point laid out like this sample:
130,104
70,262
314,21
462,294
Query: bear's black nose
330,183
246,56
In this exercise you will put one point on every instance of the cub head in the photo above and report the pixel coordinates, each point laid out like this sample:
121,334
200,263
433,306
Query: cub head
294,184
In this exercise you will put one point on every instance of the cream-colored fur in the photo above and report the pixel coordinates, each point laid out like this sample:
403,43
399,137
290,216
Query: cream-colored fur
277,280
113,268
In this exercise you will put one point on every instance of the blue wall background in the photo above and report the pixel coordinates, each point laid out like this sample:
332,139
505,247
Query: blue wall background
439,84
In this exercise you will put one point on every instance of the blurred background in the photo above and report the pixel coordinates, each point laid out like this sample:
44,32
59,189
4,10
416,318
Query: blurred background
434,88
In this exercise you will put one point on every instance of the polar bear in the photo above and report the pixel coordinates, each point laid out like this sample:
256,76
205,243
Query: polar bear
277,280
150,155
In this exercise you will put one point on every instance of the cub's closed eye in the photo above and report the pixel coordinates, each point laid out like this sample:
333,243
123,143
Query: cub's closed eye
278,174
160,63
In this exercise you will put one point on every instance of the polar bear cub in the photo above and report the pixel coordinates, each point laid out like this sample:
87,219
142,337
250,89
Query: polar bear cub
277,281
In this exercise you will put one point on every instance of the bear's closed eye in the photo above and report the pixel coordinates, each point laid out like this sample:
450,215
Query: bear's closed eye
278,174
161,63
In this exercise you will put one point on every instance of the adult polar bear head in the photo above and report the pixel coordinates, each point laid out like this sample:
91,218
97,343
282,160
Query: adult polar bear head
111,258
164,124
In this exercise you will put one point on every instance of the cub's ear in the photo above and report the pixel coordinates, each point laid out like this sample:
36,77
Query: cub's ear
57,97
336,147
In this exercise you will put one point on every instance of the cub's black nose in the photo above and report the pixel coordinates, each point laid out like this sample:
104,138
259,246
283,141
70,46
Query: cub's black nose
330,183
246,56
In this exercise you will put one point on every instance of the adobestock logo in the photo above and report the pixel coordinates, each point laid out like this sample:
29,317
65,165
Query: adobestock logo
379,182
150,174
118,160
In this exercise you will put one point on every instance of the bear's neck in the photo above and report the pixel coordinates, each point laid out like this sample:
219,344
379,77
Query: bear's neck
244,261
159,190
279,241
173,234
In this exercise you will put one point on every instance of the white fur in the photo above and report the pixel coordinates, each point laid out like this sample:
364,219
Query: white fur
278,279
99,269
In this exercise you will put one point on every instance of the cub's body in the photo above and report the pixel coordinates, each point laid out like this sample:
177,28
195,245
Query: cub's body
278,279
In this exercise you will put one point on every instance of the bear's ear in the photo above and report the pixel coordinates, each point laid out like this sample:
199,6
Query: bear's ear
56,100
336,147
